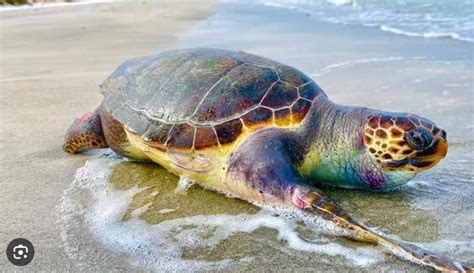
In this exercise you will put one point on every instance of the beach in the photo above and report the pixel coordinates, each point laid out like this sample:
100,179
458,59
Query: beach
97,212
52,61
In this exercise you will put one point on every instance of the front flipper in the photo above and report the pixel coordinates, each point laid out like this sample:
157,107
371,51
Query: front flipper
85,133
263,169
312,201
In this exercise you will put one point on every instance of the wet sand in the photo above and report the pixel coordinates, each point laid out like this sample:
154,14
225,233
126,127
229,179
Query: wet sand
115,214
52,61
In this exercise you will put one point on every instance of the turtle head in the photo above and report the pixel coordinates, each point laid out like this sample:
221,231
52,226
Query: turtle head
358,147
403,144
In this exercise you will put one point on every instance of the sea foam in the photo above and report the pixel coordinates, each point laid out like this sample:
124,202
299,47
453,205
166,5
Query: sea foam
426,19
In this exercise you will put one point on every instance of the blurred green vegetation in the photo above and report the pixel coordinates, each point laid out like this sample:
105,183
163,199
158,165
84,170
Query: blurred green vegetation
14,2
26,2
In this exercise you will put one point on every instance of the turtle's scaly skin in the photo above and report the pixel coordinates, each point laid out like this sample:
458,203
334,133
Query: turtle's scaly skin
263,132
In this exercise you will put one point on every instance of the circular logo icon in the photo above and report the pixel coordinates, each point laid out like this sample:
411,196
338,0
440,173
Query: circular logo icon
20,252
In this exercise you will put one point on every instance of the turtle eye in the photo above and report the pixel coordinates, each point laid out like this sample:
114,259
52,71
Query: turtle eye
419,138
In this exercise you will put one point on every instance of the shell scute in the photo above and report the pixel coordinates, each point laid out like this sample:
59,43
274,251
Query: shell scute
257,116
134,121
283,117
292,76
242,88
310,90
256,60
157,133
181,136
229,131
280,95
205,137
299,110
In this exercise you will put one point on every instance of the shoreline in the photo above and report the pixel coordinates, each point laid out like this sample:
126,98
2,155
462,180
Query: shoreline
383,26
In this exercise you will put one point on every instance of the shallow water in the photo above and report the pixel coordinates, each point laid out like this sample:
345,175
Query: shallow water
418,18
134,212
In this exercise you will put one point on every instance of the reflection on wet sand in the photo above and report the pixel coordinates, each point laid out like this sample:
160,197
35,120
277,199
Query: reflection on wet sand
157,199
392,212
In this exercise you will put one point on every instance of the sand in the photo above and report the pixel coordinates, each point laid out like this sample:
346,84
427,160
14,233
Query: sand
52,64
52,61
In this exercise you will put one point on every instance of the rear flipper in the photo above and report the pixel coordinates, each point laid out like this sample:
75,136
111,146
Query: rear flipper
85,132
263,169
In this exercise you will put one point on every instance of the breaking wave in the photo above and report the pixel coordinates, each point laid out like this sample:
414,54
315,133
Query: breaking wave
426,19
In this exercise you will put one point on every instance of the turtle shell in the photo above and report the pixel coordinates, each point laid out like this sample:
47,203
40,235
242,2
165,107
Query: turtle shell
198,98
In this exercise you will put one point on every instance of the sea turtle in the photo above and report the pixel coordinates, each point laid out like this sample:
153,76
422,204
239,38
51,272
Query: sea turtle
261,131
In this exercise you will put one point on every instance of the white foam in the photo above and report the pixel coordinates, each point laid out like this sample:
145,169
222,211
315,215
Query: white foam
341,65
429,34
457,85
451,246
342,2
161,246
183,185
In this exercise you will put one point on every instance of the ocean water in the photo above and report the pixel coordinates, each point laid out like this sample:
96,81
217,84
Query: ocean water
452,19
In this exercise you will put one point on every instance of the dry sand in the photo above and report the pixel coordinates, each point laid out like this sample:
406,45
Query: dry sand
52,61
